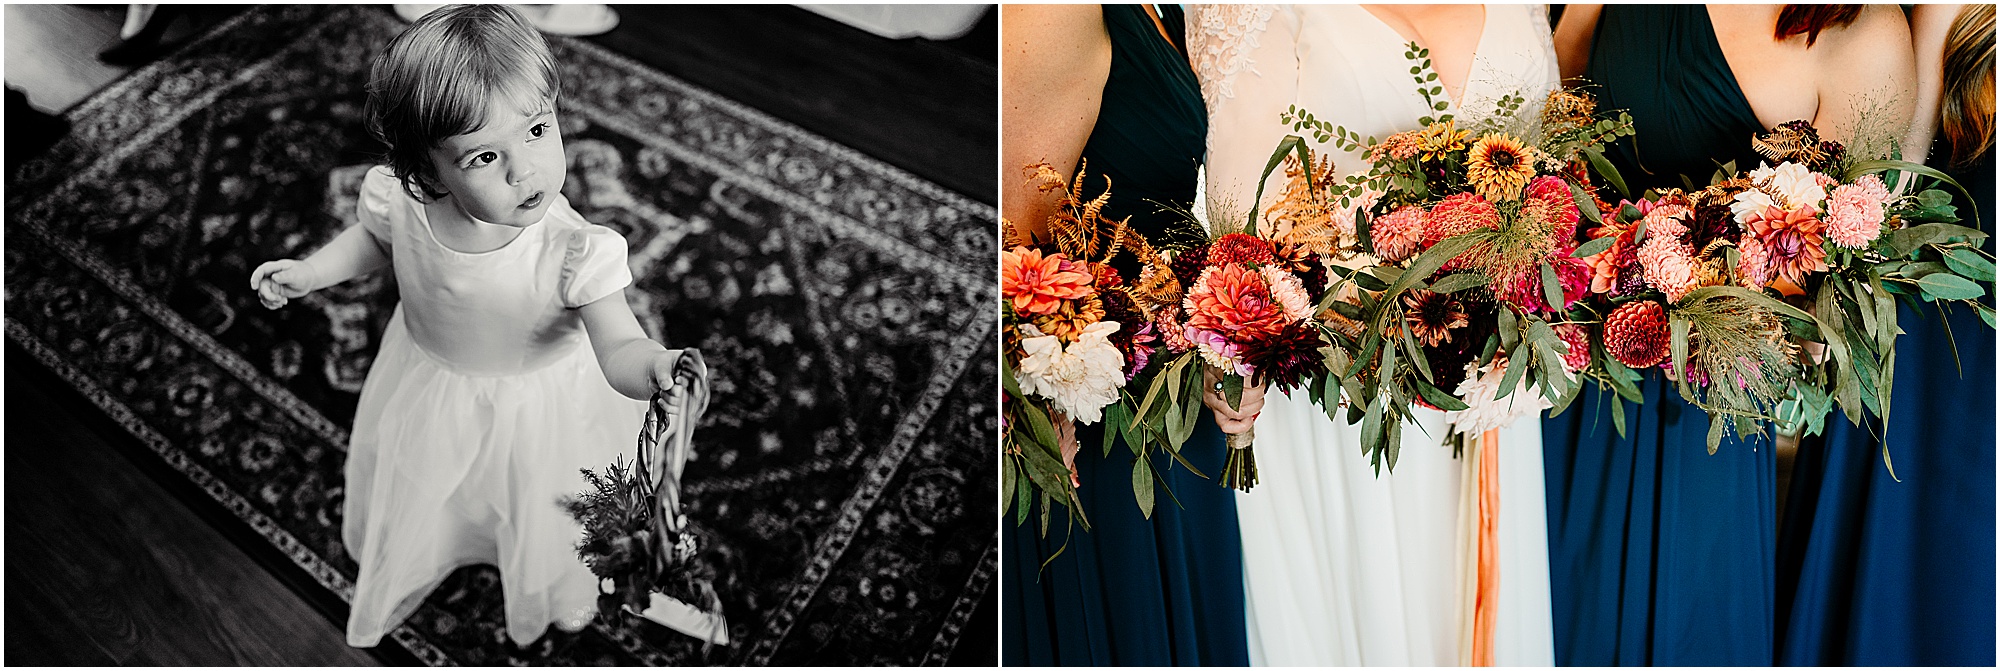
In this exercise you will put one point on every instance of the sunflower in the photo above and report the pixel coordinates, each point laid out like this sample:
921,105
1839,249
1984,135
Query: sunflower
1499,166
1433,315
1439,139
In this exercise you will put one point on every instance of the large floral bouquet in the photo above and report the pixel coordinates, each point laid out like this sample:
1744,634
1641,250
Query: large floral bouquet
1719,286
1452,260
1076,332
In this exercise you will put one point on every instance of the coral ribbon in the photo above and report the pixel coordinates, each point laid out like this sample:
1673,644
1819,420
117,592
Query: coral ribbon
1486,611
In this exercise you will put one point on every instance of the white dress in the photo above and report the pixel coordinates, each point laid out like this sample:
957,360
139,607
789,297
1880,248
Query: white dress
481,407
1341,566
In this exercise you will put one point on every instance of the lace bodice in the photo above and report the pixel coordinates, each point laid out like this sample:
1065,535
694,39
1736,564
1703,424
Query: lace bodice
1344,66
1220,40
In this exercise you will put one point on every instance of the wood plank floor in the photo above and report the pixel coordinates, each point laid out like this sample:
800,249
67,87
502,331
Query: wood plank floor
106,566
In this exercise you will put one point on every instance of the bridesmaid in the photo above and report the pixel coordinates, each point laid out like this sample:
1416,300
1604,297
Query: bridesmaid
1872,571
1670,551
1112,86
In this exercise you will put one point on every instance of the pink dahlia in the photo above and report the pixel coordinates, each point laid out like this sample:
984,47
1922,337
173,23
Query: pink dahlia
1399,234
1792,239
1854,212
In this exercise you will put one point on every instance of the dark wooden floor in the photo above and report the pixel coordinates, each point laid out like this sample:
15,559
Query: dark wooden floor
106,566
931,108
112,558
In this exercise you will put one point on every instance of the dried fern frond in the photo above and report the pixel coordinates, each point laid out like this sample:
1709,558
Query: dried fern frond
1303,215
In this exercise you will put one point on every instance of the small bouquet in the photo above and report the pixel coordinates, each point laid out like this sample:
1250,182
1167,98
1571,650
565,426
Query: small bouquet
1075,333
1718,286
1247,317
635,537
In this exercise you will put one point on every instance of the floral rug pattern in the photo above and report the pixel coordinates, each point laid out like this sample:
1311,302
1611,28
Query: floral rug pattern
843,478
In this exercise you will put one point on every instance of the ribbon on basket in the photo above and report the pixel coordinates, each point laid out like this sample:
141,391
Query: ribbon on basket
665,441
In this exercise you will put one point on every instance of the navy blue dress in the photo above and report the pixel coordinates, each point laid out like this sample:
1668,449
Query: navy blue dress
1875,572
1660,553
1133,591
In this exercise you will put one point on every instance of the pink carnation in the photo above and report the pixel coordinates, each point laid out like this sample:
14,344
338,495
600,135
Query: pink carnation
1573,274
1854,213
1169,324
1754,266
1668,265
1667,220
1398,234
1576,350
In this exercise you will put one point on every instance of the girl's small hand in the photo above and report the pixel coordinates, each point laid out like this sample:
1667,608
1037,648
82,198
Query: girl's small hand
279,281
682,374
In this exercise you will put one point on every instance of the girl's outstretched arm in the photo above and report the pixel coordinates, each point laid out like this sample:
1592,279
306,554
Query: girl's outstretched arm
634,364
353,253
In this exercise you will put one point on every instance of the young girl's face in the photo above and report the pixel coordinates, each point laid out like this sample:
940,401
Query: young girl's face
509,170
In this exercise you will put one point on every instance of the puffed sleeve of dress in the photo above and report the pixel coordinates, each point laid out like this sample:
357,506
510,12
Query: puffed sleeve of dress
593,266
378,203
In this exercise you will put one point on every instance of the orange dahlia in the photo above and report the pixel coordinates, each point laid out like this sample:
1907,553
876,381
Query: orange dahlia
1036,284
1235,301
1791,241
1498,166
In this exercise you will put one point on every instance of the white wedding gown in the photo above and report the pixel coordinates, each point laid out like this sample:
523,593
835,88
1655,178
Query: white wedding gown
1341,566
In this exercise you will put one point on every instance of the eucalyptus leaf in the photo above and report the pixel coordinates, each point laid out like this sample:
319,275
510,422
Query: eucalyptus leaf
1552,287
1949,287
1142,487
1594,247
1608,171
1969,263
1460,282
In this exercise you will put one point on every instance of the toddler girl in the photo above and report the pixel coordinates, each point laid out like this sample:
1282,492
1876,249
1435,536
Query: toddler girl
512,360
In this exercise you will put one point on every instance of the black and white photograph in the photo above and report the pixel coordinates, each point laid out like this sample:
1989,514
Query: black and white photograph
496,335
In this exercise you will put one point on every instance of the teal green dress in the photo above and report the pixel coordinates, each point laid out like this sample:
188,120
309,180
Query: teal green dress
1661,553
1132,591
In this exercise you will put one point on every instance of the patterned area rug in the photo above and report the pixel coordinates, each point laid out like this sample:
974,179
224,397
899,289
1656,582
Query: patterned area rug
843,478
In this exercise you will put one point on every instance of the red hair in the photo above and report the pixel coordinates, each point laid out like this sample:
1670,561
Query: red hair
1811,19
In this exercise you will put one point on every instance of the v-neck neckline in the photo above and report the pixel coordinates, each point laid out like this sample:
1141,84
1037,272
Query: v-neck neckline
1478,47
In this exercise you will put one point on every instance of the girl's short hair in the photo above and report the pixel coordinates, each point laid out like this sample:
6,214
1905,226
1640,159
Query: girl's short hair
1967,111
434,81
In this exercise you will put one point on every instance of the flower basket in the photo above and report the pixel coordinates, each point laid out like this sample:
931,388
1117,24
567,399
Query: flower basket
636,539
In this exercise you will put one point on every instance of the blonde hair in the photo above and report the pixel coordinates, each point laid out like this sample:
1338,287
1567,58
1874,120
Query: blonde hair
1966,114
435,80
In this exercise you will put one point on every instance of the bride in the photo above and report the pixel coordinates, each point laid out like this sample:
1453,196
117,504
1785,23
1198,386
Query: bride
1342,566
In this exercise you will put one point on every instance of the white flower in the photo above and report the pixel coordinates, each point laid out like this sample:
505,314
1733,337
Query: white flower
1081,379
1750,202
1288,292
1795,185
1478,390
